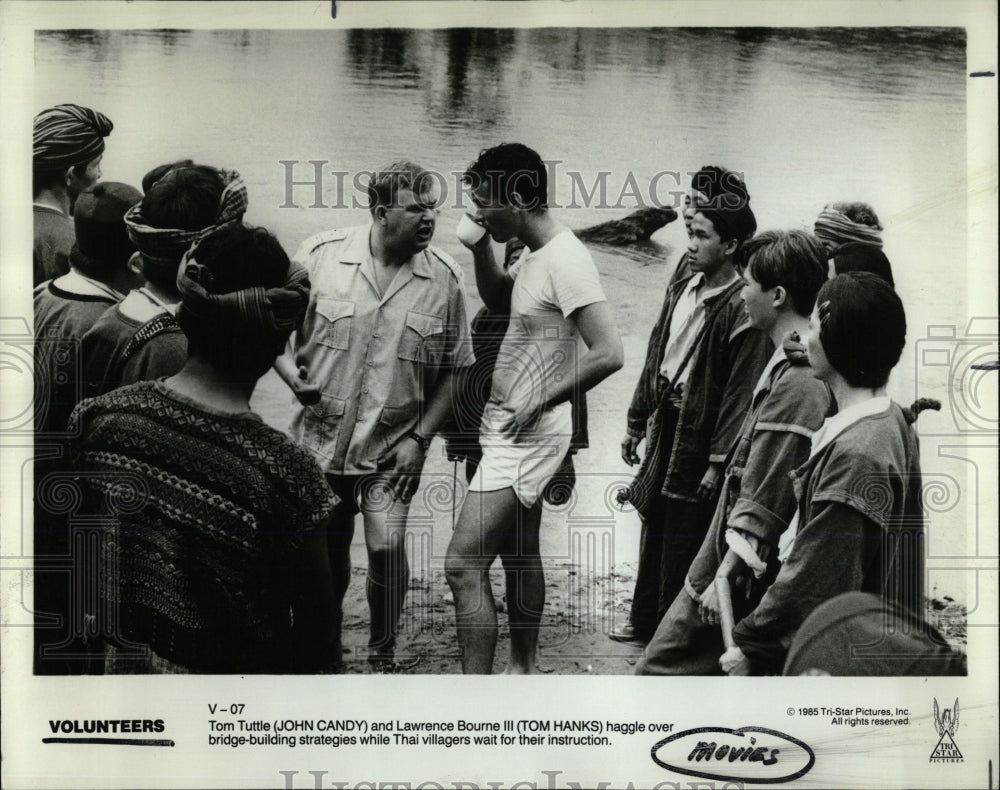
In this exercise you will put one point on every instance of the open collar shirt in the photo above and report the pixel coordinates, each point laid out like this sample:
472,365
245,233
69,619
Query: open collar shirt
376,356
686,322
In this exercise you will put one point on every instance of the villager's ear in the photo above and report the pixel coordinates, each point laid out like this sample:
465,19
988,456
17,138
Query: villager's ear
379,214
135,264
780,296
68,176
731,246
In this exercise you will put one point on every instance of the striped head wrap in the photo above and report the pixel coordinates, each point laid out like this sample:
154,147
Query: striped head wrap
167,245
67,135
276,311
835,229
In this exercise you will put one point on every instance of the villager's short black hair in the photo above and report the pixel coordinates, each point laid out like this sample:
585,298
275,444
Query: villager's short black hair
713,180
515,173
793,259
725,202
160,171
862,327
183,198
857,256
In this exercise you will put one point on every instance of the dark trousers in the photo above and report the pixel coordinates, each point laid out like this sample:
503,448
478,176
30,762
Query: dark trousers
672,533
682,644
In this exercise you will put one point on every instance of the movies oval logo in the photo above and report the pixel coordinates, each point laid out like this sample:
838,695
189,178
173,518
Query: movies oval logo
749,754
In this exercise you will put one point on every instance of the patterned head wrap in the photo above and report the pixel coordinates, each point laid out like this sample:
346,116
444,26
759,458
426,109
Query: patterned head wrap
168,245
835,229
67,135
275,311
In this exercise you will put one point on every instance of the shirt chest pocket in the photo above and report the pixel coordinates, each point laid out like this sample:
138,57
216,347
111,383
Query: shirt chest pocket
423,339
333,322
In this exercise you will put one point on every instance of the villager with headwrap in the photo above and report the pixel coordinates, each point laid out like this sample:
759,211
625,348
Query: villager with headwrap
694,391
140,339
845,223
67,146
182,467
857,256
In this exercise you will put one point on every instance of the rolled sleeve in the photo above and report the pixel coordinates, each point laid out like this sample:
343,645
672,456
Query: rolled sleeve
793,410
828,559
766,501
755,519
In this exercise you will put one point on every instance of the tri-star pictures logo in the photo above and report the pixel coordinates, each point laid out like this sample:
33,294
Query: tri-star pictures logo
946,724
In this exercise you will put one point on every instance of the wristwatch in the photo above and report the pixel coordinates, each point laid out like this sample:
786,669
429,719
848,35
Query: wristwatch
420,439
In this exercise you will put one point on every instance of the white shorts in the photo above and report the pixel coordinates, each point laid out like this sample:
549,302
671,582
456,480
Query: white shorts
527,464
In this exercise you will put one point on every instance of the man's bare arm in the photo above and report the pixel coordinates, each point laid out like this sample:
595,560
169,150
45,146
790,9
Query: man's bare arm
604,353
493,283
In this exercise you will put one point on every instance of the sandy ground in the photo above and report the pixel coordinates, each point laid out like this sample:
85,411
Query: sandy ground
589,545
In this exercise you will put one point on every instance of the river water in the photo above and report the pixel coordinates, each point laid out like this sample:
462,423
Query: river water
810,116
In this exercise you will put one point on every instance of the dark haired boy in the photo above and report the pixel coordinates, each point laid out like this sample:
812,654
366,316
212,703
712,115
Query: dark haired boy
694,391
554,298
706,182
783,274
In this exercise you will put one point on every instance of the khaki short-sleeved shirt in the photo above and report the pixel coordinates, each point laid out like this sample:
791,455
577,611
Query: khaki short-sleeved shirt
376,357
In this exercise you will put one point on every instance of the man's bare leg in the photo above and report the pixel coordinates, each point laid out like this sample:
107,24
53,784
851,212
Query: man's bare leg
487,517
388,570
522,564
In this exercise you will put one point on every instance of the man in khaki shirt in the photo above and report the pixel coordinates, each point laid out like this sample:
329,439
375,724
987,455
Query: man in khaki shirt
385,330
